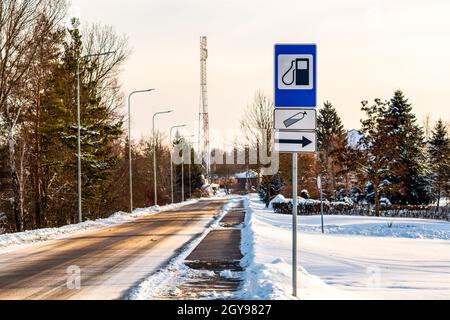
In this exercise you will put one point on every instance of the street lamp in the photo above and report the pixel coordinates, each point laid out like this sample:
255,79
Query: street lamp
182,169
154,153
171,158
190,161
129,143
85,57
182,174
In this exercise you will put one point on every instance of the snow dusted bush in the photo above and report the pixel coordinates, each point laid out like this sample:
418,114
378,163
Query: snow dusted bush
305,194
278,199
311,207
347,207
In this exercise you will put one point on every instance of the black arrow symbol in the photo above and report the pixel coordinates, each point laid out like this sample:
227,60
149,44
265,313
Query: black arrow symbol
294,119
304,142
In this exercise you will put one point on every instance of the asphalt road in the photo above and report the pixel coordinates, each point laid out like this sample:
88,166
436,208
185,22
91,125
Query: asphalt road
110,261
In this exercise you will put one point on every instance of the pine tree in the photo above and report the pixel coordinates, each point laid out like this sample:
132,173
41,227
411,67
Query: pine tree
271,188
405,153
374,163
354,177
99,130
40,74
439,157
332,142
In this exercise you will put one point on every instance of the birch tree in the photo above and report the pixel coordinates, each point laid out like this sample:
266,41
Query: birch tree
21,34
257,125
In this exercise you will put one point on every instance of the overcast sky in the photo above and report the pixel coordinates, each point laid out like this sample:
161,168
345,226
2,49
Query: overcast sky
367,49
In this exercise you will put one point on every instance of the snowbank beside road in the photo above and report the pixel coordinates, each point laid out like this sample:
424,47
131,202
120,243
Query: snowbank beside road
14,239
366,226
357,258
379,227
267,261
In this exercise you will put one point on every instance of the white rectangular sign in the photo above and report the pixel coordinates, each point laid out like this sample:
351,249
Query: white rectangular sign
296,141
295,119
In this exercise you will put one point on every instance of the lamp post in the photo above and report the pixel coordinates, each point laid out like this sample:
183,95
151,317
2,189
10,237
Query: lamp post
154,153
129,143
182,168
190,161
87,56
182,174
171,158
319,185
190,175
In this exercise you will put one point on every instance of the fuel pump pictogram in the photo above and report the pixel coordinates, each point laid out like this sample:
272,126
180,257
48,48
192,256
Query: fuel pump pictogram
298,73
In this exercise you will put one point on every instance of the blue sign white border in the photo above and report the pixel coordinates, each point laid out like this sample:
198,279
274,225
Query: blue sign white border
295,98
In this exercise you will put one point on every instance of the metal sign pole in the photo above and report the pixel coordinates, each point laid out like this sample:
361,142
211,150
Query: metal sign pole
319,184
321,208
295,117
294,224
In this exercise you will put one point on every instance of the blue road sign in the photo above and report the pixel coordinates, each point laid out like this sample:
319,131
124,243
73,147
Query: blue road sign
295,75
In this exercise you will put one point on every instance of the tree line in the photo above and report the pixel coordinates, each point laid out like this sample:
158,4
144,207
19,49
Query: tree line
387,160
393,160
39,54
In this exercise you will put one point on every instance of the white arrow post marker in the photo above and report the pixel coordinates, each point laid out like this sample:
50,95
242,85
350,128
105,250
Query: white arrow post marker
295,141
295,119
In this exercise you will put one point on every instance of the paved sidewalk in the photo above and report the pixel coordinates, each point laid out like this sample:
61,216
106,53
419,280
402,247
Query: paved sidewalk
219,255
220,250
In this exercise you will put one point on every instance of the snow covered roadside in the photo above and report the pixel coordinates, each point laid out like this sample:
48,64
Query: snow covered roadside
379,227
357,257
164,282
28,237
267,262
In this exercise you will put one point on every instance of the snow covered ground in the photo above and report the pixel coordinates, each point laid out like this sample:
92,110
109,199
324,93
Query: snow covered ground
32,236
357,258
